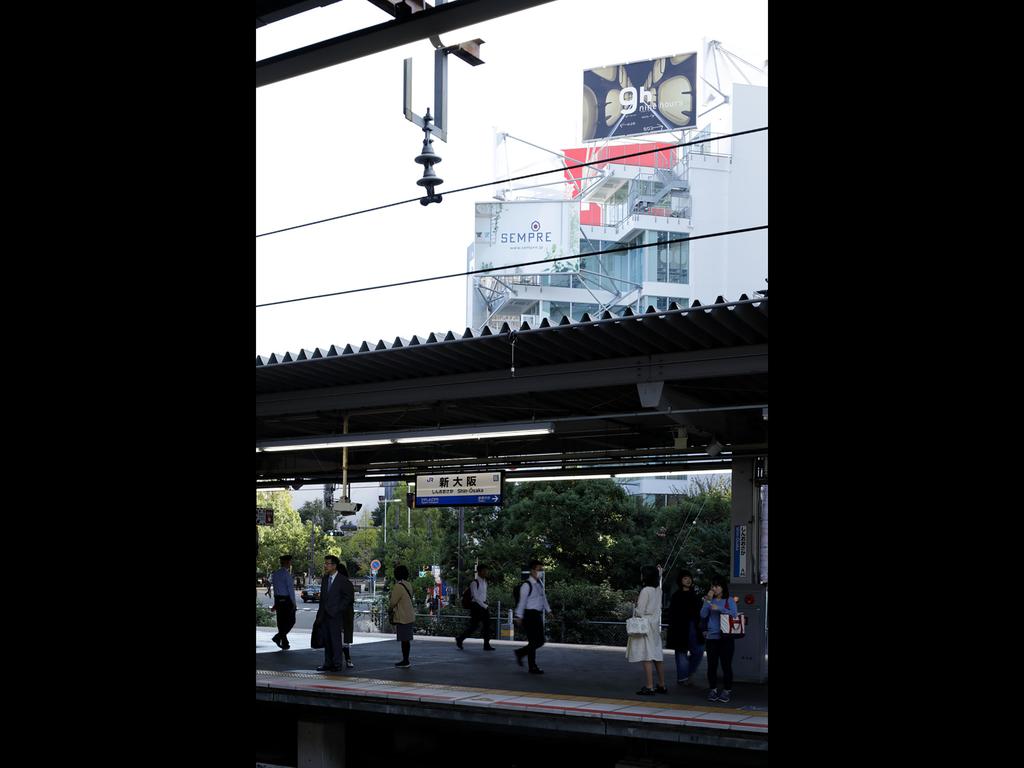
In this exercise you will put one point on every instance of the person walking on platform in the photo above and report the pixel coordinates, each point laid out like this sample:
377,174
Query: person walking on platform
336,598
478,610
720,648
684,635
400,601
284,601
647,648
532,605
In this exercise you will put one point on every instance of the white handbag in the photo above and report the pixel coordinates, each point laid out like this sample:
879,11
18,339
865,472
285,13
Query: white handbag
637,625
733,626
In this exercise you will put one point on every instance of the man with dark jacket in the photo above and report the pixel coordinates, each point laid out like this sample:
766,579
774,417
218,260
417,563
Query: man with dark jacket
684,633
284,601
337,597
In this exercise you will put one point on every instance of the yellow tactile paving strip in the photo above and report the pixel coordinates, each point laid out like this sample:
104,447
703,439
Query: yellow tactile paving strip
564,704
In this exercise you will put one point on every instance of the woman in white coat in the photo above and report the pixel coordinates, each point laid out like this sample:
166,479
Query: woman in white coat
647,648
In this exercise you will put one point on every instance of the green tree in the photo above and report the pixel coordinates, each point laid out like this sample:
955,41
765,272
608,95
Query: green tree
289,536
275,540
316,512
358,550
572,525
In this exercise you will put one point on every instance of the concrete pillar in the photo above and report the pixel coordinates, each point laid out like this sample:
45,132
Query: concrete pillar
321,745
750,663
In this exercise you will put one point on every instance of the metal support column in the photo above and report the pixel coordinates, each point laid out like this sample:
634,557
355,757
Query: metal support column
321,745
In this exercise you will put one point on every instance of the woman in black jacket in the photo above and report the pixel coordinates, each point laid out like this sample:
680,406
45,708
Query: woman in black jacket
684,634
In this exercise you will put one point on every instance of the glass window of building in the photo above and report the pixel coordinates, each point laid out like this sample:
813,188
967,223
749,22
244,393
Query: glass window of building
558,310
663,254
580,308
673,259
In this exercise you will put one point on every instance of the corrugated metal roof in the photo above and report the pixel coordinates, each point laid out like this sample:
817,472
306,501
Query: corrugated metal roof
699,327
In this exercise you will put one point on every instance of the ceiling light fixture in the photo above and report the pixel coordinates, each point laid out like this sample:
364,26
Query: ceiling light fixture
552,479
465,432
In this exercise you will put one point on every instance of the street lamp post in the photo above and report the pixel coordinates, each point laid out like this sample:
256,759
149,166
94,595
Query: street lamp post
386,502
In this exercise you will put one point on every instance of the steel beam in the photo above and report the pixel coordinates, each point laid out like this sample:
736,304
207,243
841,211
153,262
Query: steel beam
383,37
736,361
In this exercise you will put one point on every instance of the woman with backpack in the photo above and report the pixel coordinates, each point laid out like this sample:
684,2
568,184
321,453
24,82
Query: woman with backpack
647,648
404,617
720,647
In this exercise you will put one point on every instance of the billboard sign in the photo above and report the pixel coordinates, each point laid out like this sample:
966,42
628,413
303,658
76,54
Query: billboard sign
473,490
514,232
640,97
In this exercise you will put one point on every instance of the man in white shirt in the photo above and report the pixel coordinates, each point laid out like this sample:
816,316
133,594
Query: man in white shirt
533,603
479,613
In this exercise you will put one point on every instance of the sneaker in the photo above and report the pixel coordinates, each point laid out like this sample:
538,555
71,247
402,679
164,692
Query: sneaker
349,664
403,664
536,671
458,642
661,689
684,681
724,696
713,695
277,640
645,691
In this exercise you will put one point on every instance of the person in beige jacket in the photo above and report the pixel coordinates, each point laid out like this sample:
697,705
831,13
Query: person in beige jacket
647,648
400,601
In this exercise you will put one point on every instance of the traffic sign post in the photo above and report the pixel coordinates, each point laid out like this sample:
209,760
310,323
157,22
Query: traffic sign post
374,567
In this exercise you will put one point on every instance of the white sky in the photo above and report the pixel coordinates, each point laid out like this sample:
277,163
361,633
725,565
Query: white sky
335,141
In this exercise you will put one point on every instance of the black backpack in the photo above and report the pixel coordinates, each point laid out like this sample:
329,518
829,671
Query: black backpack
517,590
467,597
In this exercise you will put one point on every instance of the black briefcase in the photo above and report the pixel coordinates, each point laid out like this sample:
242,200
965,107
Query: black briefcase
316,639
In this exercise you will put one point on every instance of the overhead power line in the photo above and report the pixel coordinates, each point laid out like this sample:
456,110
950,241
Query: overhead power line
509,266
518,178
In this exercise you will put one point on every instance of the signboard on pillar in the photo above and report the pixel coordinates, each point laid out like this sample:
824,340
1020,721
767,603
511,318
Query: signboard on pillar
472,490
763,557
739,552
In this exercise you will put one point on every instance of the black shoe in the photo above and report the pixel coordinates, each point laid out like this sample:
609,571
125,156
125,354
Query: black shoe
645,691
285,645
277,641
327,668
519,658
661,689
536,671
403,664
458,642
490,648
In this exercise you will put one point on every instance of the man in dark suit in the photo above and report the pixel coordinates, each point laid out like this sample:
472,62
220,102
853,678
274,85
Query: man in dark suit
337,597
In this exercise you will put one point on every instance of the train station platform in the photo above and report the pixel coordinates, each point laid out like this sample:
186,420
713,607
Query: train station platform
589,691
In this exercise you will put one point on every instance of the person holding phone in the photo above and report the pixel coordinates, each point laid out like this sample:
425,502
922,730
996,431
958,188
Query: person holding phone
720,648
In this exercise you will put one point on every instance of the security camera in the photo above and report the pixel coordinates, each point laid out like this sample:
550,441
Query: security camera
346,507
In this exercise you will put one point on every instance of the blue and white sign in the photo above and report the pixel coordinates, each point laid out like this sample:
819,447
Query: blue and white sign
739,552
763,556
375,565
479,490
